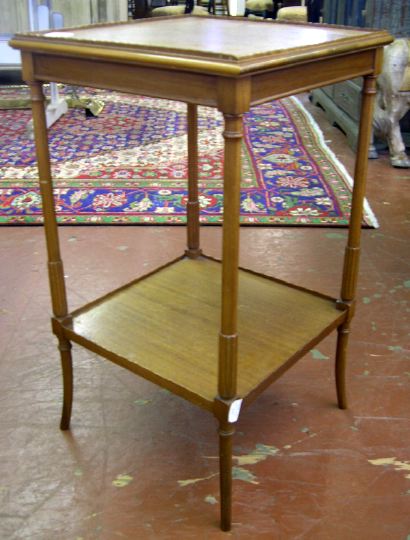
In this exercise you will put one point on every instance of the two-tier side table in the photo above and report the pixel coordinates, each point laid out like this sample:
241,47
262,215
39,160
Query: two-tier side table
229,332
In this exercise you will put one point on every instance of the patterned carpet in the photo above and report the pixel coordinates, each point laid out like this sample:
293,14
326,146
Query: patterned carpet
128,165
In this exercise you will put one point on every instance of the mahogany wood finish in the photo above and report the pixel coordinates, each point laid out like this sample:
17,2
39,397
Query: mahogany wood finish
265,325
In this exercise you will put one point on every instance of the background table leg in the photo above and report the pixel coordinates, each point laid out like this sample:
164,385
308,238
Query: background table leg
193,250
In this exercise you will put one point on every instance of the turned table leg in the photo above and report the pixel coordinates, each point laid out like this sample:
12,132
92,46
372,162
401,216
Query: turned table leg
352,253
193,249
67,369
228,338
55,265
226,432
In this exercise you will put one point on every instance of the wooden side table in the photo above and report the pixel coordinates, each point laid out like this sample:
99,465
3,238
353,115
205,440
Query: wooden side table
264,325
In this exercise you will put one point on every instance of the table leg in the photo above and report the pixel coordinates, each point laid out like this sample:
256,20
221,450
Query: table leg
340,367
67,369
352,253
228,338
55,265
227,374
226,432
193,250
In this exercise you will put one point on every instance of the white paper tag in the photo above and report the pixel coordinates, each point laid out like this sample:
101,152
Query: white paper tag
234,410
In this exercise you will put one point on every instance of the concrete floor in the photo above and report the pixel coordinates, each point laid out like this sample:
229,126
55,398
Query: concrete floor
140,463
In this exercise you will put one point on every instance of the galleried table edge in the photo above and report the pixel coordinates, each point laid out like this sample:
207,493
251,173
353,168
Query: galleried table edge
231,64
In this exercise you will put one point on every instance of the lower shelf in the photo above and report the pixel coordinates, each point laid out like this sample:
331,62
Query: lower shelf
165,328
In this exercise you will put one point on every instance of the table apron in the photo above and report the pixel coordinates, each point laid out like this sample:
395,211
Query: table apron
298,78
201,89
147,81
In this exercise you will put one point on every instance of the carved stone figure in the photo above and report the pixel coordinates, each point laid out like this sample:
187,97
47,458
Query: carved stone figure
393,100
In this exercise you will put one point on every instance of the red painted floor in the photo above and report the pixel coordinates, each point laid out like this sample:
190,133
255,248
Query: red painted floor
140,463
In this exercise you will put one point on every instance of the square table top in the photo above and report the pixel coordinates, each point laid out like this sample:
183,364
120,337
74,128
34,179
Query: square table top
237,45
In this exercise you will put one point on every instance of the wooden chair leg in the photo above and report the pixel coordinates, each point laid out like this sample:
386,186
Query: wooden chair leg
67,368
226,432
340,366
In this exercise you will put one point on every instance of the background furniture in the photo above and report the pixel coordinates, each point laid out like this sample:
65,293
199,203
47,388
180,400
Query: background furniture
293,13
302,10
205,329
138,9
341,102
166,11
268,8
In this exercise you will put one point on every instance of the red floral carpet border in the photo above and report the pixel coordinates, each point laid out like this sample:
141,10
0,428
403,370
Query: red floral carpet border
129,165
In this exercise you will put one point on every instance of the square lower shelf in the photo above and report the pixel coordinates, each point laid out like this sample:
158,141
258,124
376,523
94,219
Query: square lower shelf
165,328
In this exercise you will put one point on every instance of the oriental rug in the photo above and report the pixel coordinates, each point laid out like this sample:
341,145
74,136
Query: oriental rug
129,165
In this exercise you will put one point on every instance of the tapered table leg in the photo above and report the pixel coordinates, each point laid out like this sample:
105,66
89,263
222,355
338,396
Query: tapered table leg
55,265
228,338
226,432
352,253
67,369
340,367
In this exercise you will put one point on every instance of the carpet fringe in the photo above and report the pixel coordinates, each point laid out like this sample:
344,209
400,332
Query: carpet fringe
332,156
